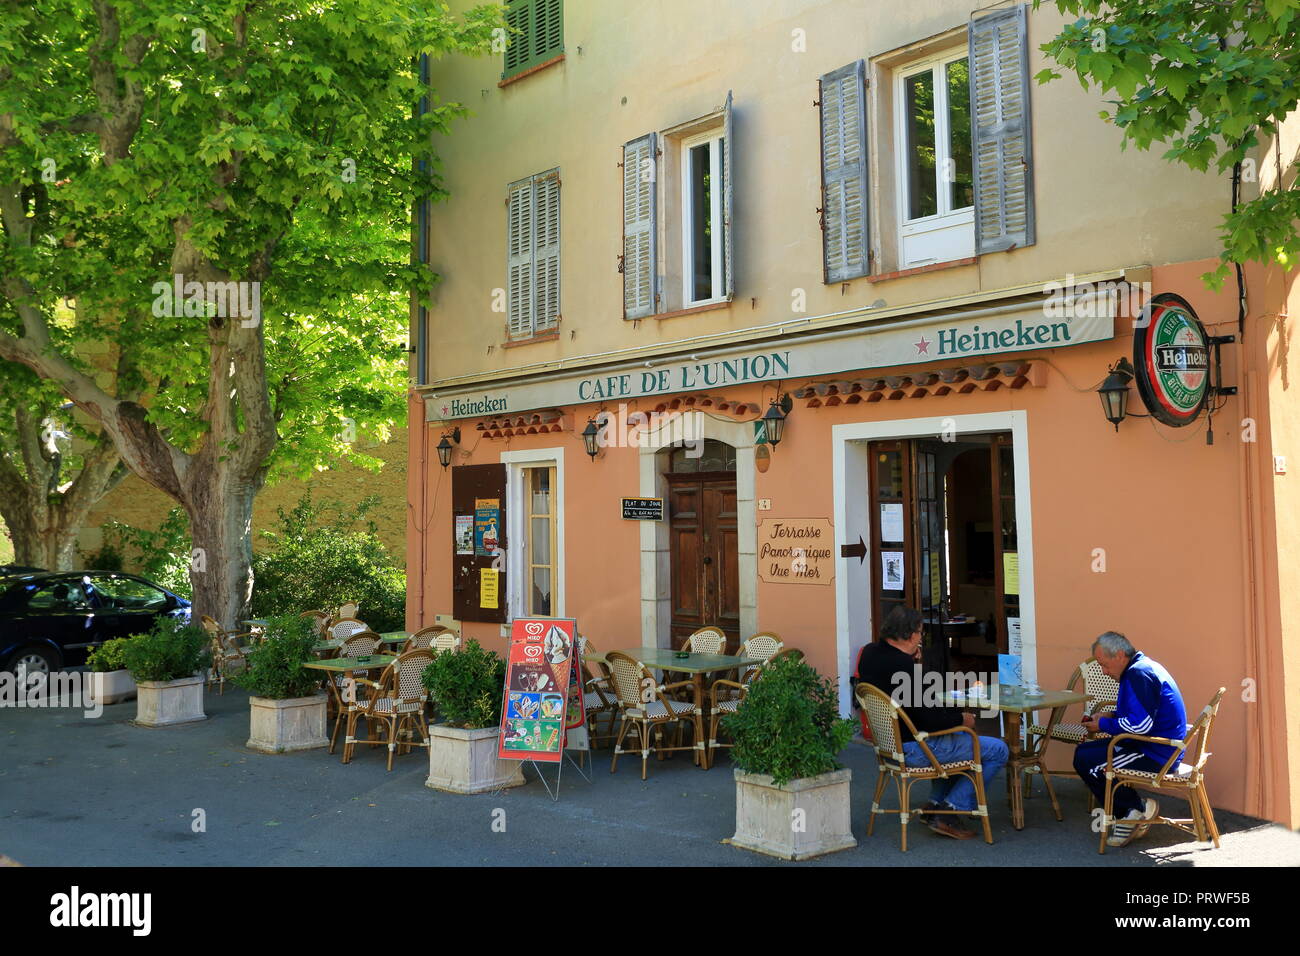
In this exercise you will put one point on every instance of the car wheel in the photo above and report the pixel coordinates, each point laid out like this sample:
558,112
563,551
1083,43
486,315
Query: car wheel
32,660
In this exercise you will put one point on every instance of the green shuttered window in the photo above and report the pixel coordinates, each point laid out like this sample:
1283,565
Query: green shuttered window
539,37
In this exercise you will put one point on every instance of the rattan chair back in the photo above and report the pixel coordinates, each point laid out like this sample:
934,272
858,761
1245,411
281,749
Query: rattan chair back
707,640
346,627
348,610
424,638
627,674
319,620
761,647
1197,744
1104,690
360,644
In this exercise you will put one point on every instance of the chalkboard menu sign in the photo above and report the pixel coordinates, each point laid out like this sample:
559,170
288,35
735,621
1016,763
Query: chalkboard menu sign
644,509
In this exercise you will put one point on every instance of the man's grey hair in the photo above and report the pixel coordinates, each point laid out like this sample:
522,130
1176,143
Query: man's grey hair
1113,642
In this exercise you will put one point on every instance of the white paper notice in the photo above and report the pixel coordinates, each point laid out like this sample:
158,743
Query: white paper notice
1013,636
891,570
891,522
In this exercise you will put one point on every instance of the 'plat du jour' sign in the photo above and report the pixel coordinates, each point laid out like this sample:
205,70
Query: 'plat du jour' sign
796,551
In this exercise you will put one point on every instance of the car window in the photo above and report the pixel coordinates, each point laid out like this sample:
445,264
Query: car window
59,596
128,594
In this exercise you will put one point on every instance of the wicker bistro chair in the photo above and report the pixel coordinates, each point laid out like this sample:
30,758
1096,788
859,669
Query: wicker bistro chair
706,640
598,696
319,622
343,627
396,704
358,645
645,705
1188,778
435,637
349,609
1103,692
884,716
228,657
762,647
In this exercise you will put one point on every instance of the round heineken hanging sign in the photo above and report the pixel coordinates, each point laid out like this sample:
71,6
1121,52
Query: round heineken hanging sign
1172,359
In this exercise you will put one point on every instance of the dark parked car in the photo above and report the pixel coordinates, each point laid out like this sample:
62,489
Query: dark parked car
52,619
8,569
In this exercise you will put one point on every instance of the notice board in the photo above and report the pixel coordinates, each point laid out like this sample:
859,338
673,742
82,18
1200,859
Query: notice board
478,566
538,666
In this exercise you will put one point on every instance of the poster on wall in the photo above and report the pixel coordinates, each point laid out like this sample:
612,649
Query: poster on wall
1009,672
487,526
489,589
538,668
1014,644
891,570
1010,572
464,534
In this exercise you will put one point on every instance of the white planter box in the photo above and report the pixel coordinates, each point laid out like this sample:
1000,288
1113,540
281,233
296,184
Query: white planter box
465,761
112,687
162,703
767,821
282,726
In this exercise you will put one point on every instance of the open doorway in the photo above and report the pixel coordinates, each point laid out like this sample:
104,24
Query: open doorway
944,539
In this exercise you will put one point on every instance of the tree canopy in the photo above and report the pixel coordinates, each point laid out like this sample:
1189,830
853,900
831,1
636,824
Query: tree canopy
1206,79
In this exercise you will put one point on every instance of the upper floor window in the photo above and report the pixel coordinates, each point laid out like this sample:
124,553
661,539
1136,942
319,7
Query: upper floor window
688,166
540,36
936,195
533,254
703,249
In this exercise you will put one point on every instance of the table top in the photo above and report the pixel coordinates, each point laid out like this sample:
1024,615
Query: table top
351,663
662,658
389,637
1015,700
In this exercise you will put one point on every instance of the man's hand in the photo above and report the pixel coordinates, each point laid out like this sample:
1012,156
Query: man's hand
968,719
1090,723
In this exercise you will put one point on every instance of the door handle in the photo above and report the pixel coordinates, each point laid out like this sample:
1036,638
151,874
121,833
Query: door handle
708,560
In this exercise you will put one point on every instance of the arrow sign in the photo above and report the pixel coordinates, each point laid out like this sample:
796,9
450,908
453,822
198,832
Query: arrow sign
858,550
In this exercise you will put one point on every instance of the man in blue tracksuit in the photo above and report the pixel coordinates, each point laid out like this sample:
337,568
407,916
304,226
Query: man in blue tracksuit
1149,704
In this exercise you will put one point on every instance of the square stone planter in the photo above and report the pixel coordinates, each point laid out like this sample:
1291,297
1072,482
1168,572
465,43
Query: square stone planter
465,761
283,726
163,703
112,687
767,821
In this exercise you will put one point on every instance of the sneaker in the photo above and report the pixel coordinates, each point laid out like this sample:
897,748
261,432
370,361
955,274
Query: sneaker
1132,827
924,813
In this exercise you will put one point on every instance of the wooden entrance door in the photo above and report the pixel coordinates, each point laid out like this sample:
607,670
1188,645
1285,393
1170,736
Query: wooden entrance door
703,554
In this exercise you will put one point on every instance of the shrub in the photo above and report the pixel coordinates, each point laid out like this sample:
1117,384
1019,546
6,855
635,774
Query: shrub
275,666
170,651
467,686
162,556
109,656
789,725
312,562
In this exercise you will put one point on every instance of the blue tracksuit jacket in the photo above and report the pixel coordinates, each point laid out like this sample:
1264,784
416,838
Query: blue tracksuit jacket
1151,704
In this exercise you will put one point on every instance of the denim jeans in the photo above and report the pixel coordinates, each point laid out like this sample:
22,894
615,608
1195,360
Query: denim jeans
957,791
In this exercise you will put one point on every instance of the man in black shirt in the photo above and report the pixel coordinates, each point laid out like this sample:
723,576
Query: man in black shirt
892,664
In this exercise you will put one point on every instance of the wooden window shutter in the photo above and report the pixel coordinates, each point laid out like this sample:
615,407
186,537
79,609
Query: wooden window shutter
639,265
728,220
519,16
845,230
519,260
550,28
546,254
1001,141
469,483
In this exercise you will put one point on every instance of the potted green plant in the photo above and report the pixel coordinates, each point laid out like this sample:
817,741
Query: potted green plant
467,688
792,796
286,707
112,681
165,664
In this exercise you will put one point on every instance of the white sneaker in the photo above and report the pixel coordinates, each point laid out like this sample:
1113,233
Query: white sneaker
1132,827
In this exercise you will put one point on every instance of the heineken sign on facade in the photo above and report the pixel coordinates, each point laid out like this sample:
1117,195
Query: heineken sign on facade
1021,327
1173,360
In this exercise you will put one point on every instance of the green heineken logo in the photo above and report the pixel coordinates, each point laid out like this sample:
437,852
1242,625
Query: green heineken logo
1172,358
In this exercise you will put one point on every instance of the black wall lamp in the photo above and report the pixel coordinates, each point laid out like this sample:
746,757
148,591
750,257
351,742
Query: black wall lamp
444,446
1114,392
774,421
590,438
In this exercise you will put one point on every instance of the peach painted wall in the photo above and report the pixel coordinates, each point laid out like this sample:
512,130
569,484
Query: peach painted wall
1166,508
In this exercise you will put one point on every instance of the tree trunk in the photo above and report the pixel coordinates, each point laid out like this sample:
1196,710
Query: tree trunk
220,509
42,544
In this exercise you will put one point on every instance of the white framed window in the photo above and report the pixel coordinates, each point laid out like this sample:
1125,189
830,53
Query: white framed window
704,245
535,568
936,195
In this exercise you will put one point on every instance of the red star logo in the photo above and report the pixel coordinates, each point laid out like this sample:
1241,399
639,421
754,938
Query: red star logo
444,409
922,347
